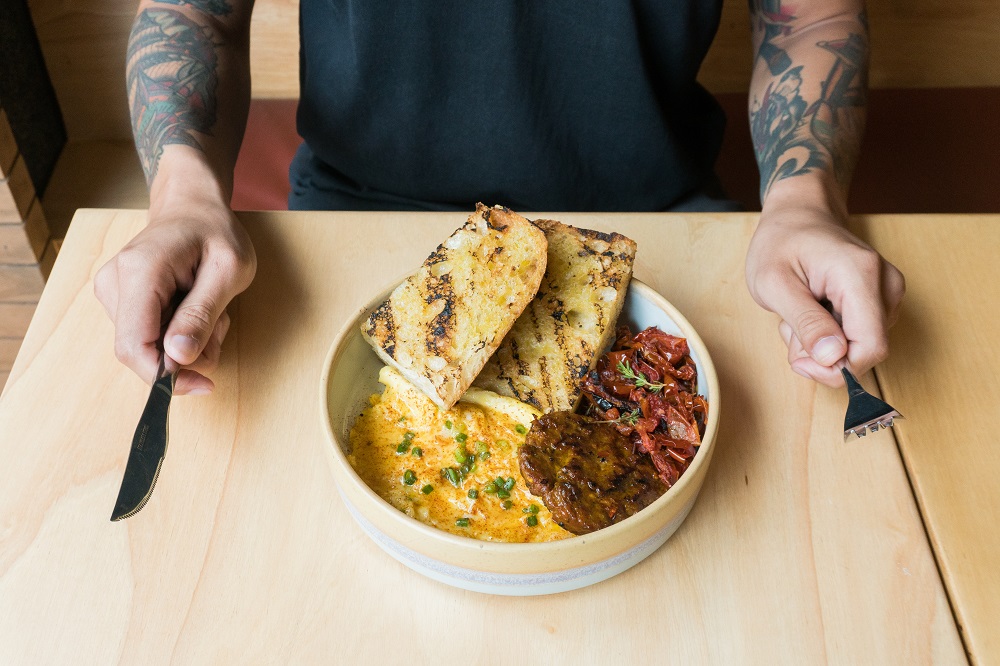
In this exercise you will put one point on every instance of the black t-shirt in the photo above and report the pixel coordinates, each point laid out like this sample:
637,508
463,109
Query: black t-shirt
534,104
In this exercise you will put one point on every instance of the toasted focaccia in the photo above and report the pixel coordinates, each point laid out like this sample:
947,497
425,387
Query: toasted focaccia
557,339
439,327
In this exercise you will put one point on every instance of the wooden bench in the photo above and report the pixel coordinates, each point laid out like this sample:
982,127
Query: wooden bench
931,144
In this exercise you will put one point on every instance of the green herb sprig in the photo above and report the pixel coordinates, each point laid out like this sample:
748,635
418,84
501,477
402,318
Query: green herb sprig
631,418
637,378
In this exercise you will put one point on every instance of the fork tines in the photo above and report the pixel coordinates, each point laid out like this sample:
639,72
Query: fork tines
865,412
863,429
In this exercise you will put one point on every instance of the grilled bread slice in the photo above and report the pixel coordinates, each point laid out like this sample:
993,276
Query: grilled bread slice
558,338
440,326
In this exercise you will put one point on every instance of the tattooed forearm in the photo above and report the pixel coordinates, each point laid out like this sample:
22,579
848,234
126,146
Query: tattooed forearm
832,119
213,7
172,79
776,124
794,135
772,21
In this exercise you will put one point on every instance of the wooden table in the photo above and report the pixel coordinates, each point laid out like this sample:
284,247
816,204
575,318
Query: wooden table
944,375
801,548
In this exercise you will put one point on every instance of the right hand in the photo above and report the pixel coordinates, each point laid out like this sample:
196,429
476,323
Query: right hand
204,253
800,257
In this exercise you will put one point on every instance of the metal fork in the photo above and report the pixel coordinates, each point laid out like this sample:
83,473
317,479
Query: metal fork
865,412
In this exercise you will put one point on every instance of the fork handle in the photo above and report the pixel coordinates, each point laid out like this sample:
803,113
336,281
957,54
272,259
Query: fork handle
853,385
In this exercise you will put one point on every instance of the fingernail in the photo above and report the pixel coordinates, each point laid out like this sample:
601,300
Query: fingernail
184,347
200,391
828,350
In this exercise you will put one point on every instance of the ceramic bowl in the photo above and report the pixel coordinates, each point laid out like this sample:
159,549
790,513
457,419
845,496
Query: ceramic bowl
350,376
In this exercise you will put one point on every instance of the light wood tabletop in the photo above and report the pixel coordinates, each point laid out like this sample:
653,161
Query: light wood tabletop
944,376
800,549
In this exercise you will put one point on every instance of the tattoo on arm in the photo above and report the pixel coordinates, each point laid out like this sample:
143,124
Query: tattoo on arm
213,7
792,136
773,20
172,79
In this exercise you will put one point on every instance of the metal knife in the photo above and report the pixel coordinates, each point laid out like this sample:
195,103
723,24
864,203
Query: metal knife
149,446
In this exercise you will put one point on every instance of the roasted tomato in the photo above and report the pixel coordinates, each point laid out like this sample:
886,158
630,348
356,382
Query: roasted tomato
646,386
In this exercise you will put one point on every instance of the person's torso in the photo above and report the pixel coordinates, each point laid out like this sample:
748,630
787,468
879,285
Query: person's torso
539,105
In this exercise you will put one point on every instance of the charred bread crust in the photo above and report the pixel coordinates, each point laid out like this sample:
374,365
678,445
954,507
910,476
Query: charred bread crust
571,320
440,326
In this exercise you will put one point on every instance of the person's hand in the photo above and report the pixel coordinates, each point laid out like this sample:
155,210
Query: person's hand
202,254
801,260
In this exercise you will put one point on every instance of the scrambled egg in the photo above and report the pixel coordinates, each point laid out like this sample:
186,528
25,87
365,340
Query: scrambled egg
455,470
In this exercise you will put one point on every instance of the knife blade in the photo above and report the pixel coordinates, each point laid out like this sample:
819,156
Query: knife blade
149,448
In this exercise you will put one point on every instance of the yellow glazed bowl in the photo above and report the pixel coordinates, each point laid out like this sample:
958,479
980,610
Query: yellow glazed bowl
350,376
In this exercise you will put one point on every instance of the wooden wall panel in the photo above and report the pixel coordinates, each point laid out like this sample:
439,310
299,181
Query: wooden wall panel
728,64
14,319
48,258
8,147
20,284
16,193
8,352
919,43
933,44
84,45
119,183
24,243
274,49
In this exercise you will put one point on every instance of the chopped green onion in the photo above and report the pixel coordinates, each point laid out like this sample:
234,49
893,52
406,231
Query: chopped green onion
461,437
482,451
417,451
401,419
521,430
427,490
506,504
409,477
533,508
447,424
462,522
490,488
451,474
404,446
461,455
532,520
473,493
502,494
509,483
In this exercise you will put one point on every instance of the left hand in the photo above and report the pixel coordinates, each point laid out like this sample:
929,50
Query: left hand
802,256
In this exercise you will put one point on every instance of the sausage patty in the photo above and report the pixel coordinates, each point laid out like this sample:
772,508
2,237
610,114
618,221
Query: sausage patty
586,472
